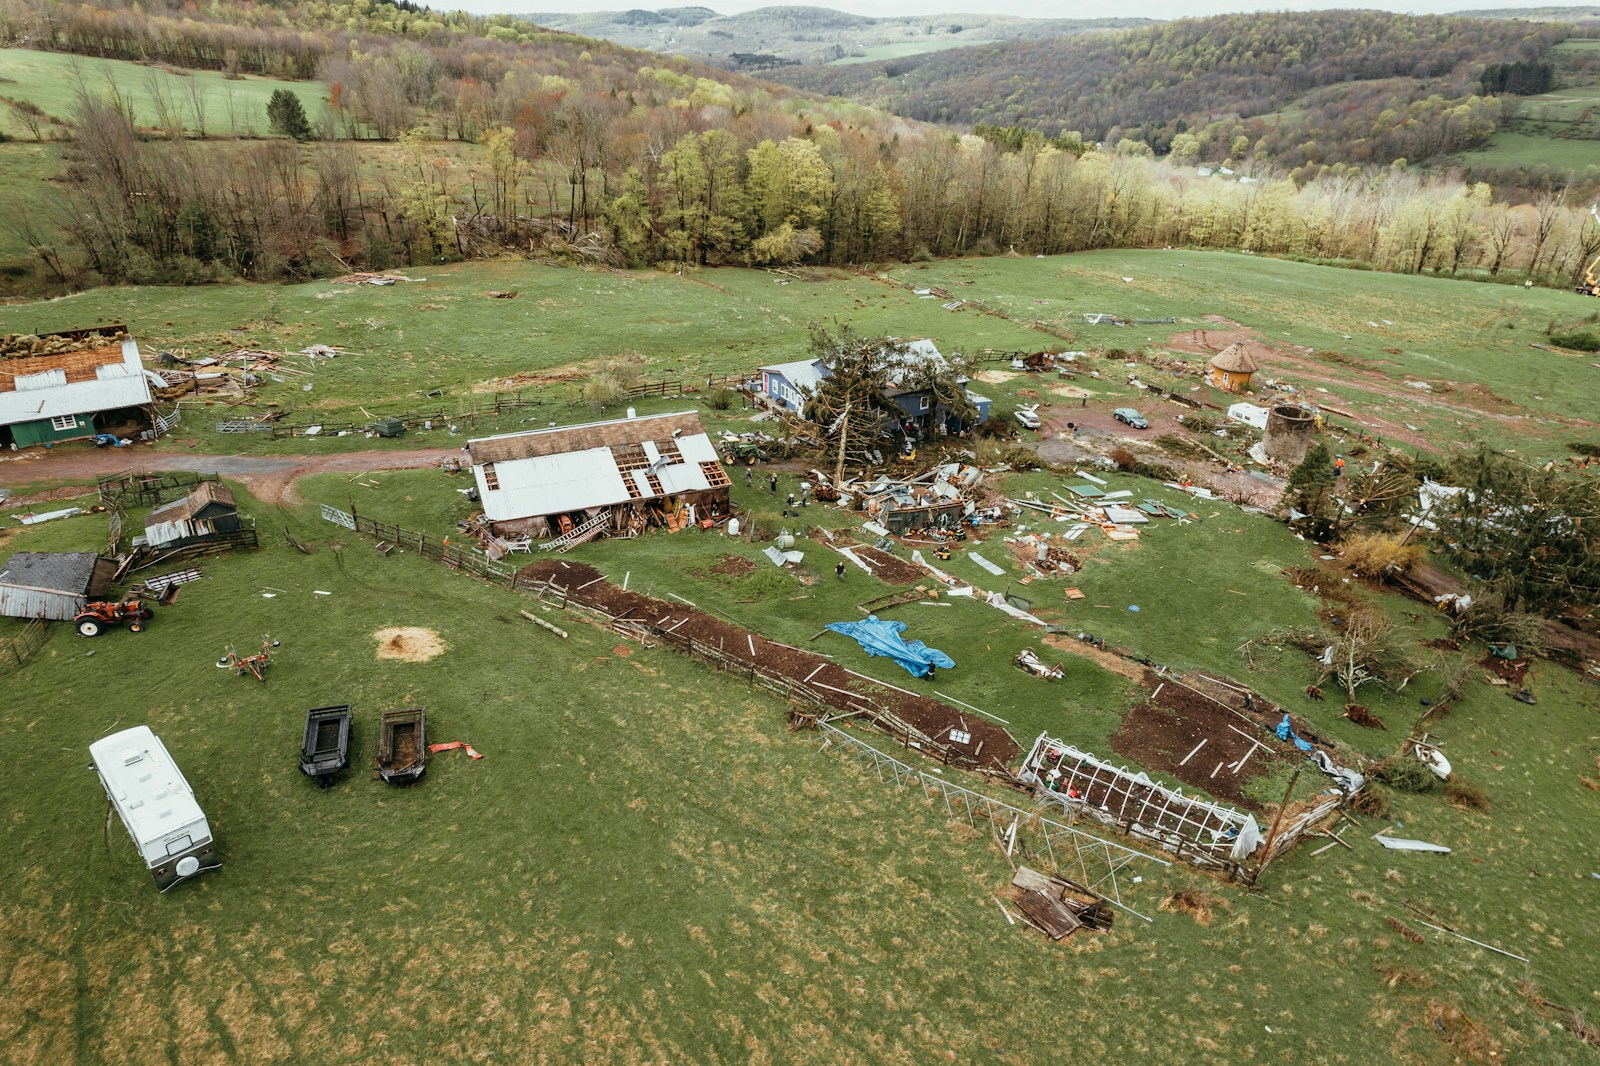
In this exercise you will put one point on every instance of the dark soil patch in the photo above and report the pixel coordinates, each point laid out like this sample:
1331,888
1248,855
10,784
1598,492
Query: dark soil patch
990,745
1158,734
734,566
887,568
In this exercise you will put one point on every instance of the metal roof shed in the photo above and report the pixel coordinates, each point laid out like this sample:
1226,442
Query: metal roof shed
52,585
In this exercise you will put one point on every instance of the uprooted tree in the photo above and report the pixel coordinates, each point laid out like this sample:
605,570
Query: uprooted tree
1368,648
853,401
1532,534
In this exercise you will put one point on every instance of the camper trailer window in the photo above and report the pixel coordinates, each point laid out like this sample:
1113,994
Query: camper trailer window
183,843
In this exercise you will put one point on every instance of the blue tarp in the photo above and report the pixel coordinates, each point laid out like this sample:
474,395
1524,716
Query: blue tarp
878,637
1285,732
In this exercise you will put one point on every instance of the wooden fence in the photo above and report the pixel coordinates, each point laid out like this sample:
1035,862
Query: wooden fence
463,557
127,489
14,651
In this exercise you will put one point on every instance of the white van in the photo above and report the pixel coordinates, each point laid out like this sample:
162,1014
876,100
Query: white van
156,805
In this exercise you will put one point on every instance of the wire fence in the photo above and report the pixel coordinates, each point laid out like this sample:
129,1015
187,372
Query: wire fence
18,649
1087,861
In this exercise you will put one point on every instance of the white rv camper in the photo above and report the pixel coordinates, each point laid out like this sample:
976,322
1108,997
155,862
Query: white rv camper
155,804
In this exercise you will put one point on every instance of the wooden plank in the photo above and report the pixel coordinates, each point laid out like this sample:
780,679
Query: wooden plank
1054,918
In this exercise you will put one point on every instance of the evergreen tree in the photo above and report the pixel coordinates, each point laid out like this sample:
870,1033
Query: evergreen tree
1310,490
287,116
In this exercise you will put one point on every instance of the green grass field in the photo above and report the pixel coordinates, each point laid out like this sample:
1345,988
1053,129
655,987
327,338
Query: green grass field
648,865
1525,145
408,340
231,107
26,170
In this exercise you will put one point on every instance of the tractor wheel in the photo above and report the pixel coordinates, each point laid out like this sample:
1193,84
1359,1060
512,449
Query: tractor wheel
88,627
135,627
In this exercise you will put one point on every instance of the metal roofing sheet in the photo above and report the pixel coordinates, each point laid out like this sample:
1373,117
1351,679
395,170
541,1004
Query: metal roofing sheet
123,386
548,484
514,446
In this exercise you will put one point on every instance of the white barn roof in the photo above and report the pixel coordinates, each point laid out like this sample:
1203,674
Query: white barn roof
31,389
577,467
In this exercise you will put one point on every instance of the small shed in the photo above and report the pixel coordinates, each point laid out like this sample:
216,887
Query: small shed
52,585
1231,368
208,510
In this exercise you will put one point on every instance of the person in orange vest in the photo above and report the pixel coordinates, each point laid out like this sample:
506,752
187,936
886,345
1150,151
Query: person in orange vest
1338,466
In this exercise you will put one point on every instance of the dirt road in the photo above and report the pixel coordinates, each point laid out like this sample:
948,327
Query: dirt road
270,478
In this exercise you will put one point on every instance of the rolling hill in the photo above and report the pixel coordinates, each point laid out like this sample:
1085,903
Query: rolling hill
776,36
1214,77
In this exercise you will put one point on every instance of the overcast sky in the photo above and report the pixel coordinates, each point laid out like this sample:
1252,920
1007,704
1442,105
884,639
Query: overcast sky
1033,8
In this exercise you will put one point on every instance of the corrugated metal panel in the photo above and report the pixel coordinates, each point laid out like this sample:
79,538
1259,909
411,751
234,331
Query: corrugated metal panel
548,484
127,388
512,446
697,449
682,477
33,603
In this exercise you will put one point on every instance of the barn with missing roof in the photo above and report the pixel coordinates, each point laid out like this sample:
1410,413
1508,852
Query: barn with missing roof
618,477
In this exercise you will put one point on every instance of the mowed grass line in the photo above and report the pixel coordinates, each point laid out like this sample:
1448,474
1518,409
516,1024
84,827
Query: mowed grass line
646,865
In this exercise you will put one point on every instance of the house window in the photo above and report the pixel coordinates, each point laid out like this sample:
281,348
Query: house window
924,401
491,480
62,422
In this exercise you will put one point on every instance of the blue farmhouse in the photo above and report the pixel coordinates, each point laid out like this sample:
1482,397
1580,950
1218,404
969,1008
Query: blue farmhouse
789,385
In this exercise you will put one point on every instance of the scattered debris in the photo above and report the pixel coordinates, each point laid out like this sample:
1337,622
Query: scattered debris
1404,844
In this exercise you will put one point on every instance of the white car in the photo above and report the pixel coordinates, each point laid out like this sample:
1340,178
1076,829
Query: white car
1028,417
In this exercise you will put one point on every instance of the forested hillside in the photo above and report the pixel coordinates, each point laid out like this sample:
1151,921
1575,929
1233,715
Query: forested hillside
1312,88
434,138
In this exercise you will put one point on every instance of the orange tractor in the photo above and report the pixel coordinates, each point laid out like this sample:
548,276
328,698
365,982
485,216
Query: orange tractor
133,610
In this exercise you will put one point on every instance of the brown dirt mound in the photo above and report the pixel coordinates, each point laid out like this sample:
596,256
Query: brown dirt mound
1192,901
410,644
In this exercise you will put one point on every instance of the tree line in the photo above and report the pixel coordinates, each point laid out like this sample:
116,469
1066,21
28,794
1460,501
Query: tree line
578,152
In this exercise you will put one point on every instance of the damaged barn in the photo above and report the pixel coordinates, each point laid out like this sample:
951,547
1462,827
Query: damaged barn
616,477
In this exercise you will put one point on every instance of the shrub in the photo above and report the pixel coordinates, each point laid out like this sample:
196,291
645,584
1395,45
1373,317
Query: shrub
1404,772
1124,459
722,399
1372,801
1466,794
1378,554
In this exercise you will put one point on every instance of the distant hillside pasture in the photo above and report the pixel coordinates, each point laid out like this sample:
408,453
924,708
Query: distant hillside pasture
913,47
27,173
236,107
1526,146
810,34
443,345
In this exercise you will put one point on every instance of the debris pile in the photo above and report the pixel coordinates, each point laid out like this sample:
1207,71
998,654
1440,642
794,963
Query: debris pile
363,278
22,345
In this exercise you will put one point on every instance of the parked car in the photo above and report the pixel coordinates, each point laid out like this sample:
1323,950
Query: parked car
1131,417
1028,417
